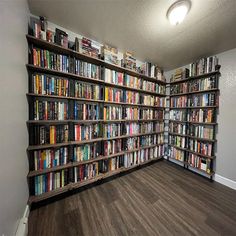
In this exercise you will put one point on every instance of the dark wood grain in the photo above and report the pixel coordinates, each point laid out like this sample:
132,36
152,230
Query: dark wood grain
160,199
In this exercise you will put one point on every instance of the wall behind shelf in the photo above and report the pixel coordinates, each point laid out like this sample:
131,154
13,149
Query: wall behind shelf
226,135
13,103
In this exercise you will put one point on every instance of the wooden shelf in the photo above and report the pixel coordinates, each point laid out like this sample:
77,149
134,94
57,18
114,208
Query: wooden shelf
59,49
180,148
38,69
198,107
189,93
71,186
201,171
134,89
45,146
196,77
193,122
193,137
199,154
64,97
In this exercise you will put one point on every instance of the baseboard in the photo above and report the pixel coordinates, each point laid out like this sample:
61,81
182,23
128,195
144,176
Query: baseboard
227,182
22,229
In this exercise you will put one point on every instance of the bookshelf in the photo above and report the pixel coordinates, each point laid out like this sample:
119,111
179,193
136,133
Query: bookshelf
85,127
193,113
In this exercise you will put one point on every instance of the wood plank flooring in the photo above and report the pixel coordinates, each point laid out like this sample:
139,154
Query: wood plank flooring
159,199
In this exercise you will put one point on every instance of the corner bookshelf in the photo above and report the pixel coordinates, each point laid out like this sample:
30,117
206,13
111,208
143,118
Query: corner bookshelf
193,113
85,127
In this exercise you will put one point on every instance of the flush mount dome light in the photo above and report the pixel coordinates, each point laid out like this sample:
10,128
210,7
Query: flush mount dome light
177,11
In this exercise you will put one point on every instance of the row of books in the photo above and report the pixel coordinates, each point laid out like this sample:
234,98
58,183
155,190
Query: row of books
50,181
176,153
204,148
207,99
112,130
87,111
177,128
114,77
86,152
153,87
133,82
199,115
118,95
51,85
203,65
113,146
50,110
199,162
178,141
138,157
49,60
48,158
200,131
179,88
85,69
86,132
202,84
49,134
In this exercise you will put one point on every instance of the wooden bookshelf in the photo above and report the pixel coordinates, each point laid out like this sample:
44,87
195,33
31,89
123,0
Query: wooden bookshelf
67,149
190,138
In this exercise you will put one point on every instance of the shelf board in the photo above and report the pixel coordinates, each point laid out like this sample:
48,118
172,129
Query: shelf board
63,74
45,146
178,121
180,148
134,89
71,186
201,171
202,155
182,162
64,97
193,137
196,77
194,92
196,107
86,141
59,49
202,123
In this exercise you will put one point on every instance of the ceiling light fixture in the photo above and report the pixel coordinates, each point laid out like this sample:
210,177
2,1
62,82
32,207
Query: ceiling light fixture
177,11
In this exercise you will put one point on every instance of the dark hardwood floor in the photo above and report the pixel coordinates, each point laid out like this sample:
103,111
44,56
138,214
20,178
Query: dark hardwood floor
159,199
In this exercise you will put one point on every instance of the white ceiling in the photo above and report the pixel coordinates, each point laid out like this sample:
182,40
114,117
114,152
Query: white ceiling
141,26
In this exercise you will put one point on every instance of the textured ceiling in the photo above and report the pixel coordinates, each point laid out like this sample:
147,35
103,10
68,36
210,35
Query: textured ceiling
141,26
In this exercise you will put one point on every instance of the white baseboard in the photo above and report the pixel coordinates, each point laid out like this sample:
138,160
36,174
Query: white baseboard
227,182
22,229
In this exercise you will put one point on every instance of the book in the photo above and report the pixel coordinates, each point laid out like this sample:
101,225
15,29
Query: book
150,100
110,54
146,114
131,113
112,130
153,87
179,88
177,128
203,84
86,111
201,131
206,99
131,97
112,146
132,81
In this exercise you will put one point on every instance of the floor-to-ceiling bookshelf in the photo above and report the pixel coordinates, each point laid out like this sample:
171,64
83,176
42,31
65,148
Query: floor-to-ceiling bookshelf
193,121
59,116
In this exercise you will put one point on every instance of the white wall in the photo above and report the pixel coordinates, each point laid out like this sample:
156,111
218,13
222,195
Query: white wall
226,136
13,110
